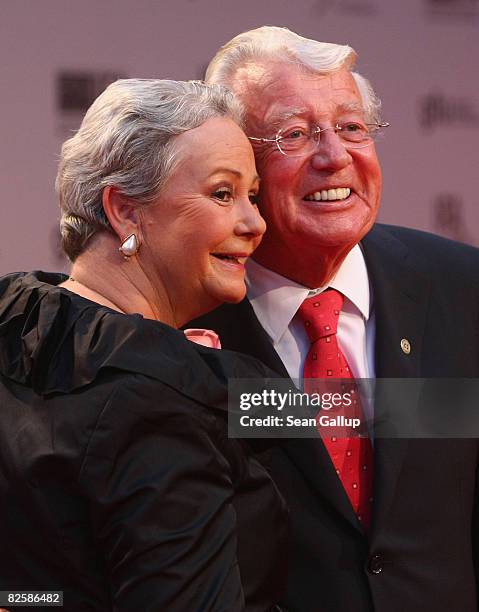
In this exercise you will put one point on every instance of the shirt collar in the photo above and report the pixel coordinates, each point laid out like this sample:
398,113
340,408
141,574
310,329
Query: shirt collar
276,299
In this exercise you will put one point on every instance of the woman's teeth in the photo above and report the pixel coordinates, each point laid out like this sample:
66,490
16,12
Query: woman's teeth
329,195
240,260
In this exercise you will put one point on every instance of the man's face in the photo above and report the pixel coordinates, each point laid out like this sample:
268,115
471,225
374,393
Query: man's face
298,225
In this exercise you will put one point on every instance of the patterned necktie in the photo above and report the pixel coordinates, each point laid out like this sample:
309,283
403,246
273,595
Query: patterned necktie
352,457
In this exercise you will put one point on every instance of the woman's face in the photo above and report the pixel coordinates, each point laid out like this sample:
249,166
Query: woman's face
197,236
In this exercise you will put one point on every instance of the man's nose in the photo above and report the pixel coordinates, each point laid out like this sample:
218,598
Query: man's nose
330,153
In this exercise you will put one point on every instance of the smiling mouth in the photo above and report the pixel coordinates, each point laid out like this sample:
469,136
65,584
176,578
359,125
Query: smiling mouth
329,195
237,259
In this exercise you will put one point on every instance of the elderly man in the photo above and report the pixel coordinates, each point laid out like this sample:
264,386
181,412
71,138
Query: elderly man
380,524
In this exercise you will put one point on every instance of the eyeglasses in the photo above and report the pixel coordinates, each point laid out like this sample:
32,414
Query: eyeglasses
298,140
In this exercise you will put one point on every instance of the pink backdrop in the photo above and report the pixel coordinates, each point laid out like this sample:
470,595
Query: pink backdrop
421,56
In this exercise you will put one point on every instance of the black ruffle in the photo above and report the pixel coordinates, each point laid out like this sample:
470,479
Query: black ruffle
56,341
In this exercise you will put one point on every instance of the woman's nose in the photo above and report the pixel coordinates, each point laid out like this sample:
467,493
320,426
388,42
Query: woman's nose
250,221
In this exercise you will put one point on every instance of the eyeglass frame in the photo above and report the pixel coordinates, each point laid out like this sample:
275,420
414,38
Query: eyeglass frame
317,132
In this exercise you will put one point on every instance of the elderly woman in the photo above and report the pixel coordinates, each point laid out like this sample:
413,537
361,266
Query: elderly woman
119,485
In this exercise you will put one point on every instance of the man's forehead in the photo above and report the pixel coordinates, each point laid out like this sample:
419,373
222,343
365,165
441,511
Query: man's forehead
252,74
278,91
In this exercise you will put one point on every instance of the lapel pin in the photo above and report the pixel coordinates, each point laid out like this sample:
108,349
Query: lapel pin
405,346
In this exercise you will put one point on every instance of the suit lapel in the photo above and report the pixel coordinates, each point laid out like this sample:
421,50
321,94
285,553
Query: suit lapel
240,330
401,298
312,459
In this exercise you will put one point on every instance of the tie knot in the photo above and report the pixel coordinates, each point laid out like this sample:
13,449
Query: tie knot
320,314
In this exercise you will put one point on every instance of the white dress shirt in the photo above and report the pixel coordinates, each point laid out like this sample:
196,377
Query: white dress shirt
276,301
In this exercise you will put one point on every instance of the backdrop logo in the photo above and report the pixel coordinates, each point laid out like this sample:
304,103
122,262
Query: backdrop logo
437,111
449,218
75,92
453,8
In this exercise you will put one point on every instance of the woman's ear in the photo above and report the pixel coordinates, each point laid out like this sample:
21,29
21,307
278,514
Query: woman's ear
124,217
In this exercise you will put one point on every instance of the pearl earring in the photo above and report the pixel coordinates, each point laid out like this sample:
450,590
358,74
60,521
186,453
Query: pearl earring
129,246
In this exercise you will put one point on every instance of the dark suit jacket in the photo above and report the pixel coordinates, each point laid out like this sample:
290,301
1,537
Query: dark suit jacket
118,483
420,554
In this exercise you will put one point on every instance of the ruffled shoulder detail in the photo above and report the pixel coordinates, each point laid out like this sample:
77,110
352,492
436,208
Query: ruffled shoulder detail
56,342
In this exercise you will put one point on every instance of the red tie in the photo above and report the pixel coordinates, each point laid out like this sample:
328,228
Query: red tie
352,457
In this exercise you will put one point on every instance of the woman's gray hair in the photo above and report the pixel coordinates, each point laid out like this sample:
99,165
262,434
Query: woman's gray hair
272,43
127,140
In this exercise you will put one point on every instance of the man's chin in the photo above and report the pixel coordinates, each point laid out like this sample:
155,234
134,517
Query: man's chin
339,233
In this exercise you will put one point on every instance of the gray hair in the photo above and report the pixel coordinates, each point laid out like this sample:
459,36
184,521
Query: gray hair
280,44
127,140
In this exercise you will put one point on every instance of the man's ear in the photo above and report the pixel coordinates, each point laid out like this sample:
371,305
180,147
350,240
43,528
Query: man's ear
123,215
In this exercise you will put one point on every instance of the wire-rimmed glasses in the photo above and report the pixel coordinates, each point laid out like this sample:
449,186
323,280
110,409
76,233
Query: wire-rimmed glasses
299,140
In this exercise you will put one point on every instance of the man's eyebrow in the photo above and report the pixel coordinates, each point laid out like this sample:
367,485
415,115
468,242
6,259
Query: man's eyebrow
355,107
277,119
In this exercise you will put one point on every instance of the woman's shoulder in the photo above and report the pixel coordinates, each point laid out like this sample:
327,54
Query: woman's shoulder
59,342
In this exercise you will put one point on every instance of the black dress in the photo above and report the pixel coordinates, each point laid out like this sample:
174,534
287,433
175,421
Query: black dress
118,483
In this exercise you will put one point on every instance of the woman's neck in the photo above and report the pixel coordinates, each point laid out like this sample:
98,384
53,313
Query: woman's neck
97,275
75,286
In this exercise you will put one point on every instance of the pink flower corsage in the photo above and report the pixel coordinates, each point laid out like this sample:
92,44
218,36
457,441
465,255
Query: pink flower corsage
206,337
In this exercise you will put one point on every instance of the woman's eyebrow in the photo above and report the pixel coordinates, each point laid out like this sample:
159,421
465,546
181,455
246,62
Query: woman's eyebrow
225,169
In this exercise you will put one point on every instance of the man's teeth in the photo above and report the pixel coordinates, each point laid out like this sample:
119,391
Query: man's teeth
329,194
